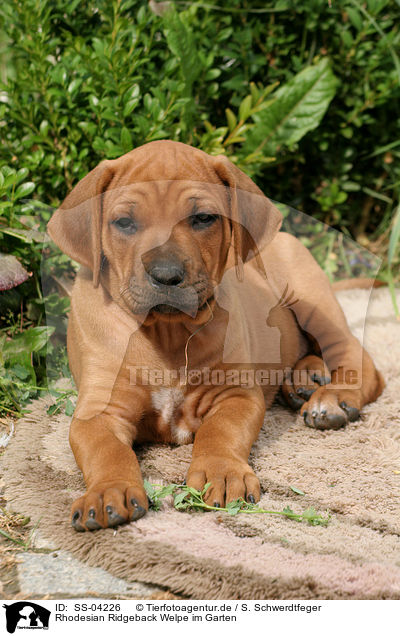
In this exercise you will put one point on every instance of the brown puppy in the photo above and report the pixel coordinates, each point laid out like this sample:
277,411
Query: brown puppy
190,311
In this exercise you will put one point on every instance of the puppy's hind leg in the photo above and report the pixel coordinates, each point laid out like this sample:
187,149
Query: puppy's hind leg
308,374
330,401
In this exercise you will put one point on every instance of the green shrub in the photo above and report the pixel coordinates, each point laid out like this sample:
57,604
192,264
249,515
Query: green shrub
92,80
303,97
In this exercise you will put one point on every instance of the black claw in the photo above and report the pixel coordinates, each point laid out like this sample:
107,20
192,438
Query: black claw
184,482
251,499
352,413
92,524
305,393
217,504
320,379
308,420
279,399
75,522
295,402
78,527
114,519
138,511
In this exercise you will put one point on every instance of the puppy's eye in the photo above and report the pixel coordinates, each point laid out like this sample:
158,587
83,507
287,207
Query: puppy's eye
125,224
201,221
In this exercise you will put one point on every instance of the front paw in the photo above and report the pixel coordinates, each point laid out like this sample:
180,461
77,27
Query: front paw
230,479
109,504
327,408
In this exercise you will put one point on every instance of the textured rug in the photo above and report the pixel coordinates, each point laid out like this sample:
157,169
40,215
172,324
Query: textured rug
353,473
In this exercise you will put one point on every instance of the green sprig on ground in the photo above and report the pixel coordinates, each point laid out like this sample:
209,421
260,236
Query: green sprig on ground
187,498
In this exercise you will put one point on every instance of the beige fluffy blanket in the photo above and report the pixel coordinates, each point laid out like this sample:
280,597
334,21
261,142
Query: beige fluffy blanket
354,473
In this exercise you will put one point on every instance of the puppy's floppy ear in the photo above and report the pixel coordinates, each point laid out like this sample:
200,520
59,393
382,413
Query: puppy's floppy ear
255,219
76,226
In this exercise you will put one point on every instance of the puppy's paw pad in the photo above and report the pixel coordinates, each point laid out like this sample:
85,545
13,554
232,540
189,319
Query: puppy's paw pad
324,420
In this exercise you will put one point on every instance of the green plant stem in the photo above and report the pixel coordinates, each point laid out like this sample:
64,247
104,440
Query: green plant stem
194,500
392,291
297,517
13,539
4,408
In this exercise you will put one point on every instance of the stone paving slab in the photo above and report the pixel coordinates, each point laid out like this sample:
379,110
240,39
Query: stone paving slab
59,574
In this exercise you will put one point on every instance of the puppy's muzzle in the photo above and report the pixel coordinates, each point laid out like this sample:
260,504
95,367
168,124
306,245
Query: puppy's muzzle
166,289
165,277
165,273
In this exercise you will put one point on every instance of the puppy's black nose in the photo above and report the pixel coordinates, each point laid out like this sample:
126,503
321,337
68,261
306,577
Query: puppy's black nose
166,273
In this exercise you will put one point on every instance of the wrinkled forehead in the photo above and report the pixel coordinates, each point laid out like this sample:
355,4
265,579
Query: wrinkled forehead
167,201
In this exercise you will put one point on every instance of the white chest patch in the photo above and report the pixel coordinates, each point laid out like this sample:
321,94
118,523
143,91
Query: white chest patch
167,402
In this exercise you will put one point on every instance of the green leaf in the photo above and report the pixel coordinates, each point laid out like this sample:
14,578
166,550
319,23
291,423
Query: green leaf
30,341
179,497
24,190
288,511
245,108
28,236
129,106
309,513
212,73
355,18
74,86
231,119
297,490
94,101
394,236
21,372
18,361
181,43
88,127
22,174
58,74
54,408
234,507
298,108
132,93
255,93
149,489
69,408
156,493
193,491
126,138
44,127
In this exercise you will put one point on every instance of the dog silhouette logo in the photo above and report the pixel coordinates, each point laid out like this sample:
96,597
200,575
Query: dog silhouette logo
26,615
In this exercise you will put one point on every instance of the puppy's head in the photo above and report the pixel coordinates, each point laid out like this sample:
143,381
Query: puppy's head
159,226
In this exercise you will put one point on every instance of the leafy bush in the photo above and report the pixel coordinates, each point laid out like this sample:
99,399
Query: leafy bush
304,98
92,80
